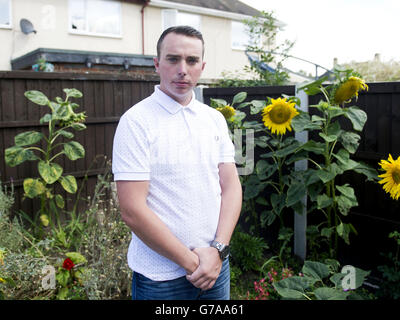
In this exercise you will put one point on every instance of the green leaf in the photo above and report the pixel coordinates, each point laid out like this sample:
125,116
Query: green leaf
76,257
27,138
295,193
367,170
50,172
60,201
257,106
267,217
73,93
62,278
78,126
66,134
293,287
315,147
217,103
347,200
46,118
357,117
330,138
325,293
302,122
343,230
69,184
325,176
74,150
315,270
265,169
324,201
37,97
278,202
327,232
240,97
313,88
335,111
288,149
16,155
33,187
350,141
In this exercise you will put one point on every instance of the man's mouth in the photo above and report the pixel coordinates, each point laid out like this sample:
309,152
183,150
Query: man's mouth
182,83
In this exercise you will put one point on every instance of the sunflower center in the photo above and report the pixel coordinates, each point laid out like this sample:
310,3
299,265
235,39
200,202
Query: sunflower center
279,114
396,175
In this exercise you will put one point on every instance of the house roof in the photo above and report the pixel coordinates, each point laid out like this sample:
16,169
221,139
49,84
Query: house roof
234,6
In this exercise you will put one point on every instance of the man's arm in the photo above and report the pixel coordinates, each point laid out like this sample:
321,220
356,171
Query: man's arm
231,203
149,227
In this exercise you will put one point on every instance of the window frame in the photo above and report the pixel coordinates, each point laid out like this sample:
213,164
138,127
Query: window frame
89,33
10,25
233,47
177,12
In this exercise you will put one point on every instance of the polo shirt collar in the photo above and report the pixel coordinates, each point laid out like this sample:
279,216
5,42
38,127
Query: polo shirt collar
170,104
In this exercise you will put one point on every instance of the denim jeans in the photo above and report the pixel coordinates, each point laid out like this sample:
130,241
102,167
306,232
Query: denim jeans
180,289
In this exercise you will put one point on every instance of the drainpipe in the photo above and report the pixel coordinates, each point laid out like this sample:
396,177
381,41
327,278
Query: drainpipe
146,3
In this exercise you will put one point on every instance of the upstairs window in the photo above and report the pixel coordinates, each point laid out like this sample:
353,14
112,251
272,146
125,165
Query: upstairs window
95,17
239,36
172,17
5,13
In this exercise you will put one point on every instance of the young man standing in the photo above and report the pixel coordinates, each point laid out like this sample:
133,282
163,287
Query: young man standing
177,183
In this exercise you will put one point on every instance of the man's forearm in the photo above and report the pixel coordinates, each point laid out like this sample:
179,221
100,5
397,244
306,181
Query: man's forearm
231,205
149,228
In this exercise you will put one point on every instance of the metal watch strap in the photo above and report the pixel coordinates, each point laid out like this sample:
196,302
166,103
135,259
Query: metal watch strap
222,249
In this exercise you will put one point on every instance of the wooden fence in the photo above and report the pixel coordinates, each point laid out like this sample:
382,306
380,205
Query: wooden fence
377,214
105,98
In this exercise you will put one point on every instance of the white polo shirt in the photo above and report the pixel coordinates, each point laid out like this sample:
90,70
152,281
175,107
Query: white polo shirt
178,149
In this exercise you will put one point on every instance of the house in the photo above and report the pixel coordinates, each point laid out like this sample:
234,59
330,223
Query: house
117,36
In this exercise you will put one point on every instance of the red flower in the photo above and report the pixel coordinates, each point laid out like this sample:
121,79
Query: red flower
68,264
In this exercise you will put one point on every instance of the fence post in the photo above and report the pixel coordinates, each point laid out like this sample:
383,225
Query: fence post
300,218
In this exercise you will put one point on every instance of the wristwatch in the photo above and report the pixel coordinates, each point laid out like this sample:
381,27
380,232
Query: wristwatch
223,249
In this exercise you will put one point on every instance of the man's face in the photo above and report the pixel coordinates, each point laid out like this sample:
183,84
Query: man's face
180,66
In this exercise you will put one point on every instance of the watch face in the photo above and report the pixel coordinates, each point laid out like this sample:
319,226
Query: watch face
224,252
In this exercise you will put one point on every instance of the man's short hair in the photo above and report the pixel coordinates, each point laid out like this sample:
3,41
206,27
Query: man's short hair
183,30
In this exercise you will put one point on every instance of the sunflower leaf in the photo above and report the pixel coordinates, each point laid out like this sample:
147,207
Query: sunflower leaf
357,117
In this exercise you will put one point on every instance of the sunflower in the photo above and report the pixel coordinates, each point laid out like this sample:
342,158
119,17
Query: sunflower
391,178
278,115
349,89
227,111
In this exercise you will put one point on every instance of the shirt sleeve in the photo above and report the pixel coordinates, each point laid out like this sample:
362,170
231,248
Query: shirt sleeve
227,149
131,152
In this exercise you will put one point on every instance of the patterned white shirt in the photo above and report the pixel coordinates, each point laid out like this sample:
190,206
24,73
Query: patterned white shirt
178,149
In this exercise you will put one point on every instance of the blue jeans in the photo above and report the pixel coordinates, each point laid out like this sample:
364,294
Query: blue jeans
180,289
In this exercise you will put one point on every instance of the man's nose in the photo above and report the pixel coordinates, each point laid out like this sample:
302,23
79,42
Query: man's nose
182,68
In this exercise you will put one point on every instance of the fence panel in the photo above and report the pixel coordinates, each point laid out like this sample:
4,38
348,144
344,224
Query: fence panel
105,98
377,214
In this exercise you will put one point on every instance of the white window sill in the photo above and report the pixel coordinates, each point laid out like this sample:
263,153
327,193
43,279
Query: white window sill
101,35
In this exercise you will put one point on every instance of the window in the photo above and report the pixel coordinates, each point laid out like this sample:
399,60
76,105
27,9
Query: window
95,17
240,37
5,13
172,17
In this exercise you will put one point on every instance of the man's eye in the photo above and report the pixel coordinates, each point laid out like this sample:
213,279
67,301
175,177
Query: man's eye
172,59
192,61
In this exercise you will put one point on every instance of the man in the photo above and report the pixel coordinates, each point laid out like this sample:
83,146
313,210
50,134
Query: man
177,182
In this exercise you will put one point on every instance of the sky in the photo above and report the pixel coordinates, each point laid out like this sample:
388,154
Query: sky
349,30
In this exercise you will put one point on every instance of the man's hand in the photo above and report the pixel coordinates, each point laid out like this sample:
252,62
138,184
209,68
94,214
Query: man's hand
207,272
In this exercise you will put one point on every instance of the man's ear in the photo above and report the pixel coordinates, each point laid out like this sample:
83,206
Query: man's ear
156,63
204,64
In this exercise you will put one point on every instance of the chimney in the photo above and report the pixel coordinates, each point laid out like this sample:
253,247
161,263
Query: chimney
377,57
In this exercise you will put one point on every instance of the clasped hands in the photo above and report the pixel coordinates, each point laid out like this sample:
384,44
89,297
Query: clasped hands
208,269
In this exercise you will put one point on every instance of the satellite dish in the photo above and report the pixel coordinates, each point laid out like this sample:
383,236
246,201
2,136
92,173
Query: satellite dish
26,26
